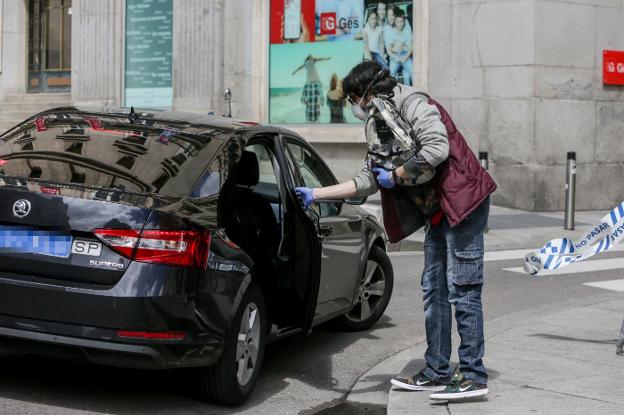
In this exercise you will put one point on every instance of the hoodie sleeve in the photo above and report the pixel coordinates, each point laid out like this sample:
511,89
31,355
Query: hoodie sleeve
365,183
431,132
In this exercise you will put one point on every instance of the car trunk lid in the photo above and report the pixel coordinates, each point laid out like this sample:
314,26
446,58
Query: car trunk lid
50,236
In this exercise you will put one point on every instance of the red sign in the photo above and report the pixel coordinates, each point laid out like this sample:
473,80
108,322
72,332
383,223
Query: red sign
328,23
613,67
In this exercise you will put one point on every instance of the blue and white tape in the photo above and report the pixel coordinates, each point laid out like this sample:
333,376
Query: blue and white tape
562,252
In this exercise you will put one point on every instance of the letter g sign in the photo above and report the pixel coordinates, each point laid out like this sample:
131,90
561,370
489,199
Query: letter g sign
328,23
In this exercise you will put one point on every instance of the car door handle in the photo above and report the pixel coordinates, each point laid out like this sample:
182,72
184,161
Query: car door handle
325,231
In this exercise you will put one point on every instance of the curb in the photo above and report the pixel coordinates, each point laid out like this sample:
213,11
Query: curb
372,389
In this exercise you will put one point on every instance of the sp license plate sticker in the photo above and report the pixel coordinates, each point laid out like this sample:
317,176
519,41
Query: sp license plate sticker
90,248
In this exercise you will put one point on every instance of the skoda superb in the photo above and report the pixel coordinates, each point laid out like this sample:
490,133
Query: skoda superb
164,240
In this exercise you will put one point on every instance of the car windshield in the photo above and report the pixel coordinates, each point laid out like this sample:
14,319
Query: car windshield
108,151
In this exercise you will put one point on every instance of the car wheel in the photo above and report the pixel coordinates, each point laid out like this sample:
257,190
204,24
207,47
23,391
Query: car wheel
231,380
374,293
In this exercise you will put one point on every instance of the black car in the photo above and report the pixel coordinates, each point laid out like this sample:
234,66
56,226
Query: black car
166,240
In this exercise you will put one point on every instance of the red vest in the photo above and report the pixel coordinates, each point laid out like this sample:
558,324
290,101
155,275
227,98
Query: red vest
461,182
461,185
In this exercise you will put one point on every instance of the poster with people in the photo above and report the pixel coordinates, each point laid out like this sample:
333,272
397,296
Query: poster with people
314,44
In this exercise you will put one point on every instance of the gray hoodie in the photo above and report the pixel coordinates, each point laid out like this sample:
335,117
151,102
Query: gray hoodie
430,131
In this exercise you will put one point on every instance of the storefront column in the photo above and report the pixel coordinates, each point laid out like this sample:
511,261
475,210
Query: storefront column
246,50
97,52
198,33
14,46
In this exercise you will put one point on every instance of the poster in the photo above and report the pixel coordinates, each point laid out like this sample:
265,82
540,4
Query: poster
314,45
149,26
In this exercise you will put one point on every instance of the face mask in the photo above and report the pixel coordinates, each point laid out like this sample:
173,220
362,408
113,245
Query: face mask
359,112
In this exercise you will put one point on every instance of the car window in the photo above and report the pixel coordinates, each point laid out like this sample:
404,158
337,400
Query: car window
313,173
107,151
210,182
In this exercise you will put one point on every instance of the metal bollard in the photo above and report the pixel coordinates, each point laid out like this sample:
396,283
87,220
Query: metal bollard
570,189
227,95
485,163
483,159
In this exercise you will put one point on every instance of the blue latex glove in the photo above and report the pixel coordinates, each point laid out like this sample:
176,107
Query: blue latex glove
384,178
305,196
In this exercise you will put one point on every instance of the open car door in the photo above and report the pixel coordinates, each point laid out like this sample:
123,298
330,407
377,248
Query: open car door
300,251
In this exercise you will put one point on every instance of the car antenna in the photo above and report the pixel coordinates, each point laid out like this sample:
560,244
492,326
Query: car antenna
132,116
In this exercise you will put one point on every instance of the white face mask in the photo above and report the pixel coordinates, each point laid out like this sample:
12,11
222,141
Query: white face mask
359,112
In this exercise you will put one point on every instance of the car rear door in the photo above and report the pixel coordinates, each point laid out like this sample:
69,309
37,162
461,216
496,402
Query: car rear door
341,230
301,250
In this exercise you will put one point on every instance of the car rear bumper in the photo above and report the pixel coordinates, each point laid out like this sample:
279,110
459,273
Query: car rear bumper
104,346
85,323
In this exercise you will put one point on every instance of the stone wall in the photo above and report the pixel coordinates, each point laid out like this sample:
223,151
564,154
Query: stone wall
523,79
14,15
97,52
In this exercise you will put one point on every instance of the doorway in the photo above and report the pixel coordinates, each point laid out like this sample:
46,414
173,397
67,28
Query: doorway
49,45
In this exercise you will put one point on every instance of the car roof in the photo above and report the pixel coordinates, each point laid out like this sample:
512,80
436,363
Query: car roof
177,119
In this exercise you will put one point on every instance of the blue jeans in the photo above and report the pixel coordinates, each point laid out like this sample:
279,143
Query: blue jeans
379,59
453,275
405,67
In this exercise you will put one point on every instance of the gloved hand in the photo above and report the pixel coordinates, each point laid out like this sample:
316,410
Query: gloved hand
384,178
306,196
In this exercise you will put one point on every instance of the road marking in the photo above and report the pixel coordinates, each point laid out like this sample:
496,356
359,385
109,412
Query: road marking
406,253
491,256
613,285
579,267
505,255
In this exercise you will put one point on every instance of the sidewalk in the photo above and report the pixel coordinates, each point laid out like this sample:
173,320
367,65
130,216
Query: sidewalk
561,363
555,360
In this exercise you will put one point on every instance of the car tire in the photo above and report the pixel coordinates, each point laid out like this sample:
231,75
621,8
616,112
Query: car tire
375,290
223,382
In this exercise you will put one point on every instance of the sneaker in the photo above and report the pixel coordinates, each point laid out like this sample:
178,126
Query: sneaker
460,388
418,382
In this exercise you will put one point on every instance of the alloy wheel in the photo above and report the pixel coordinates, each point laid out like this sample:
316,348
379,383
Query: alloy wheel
247,346
370,292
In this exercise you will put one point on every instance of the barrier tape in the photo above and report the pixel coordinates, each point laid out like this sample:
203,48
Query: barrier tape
562,252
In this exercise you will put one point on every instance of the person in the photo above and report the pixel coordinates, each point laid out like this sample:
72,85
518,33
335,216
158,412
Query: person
312,93
373,40
336,101
390,21
453,205
388,28
399,48
381,13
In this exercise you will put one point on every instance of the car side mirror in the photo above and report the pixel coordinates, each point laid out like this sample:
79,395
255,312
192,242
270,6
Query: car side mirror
356,200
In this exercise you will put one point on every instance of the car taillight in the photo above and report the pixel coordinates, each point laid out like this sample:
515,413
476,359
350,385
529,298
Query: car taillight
183,248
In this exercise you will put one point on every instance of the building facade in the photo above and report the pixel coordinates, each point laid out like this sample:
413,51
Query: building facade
522,78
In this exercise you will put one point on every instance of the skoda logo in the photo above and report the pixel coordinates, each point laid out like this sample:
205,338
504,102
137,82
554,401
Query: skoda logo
21,208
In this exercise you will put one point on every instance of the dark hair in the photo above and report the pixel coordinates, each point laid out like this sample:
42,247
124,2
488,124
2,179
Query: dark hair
368,75
399,13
